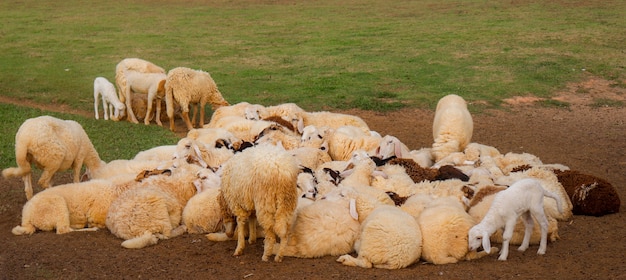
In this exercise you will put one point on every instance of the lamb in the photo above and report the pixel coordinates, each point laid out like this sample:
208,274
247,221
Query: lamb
262,179
188,86
389,237
127,66
151,84
452,126
102,87
144,214
71,207
525,198
53,145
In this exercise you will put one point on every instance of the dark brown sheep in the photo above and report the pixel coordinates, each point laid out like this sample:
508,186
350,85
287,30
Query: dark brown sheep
590,195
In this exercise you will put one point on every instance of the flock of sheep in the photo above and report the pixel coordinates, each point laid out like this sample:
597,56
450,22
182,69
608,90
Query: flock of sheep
311,184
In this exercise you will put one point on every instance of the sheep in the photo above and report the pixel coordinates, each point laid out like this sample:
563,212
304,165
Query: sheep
53,145
242,109
206,155
310,157
262,179
333,120
315,137
347,139
125,166
392,146
452,127
153,210
445,226
523,198
159,153
127,66
202,212
188,86
71,207
102,87
287,111
389,237
589,194
151,84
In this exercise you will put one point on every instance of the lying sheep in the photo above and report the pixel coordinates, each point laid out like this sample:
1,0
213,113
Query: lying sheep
71,207
589,194
153,210
53,145
187,87
452,126
110,102
202,212
333,120
241,109
347,139
261,179
131,65
525,198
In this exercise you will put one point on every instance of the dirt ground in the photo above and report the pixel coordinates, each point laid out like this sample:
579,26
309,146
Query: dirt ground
586,138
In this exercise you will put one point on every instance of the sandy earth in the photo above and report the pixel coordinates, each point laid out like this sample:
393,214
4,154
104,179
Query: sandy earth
585,138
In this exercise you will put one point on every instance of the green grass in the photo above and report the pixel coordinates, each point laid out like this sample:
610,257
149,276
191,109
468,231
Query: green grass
322,55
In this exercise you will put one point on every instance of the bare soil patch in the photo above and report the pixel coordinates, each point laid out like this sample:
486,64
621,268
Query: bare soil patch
586,138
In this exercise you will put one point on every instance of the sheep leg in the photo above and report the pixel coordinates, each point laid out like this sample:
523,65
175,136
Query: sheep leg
201,108
543,224
129,108
186,118
148,117
506,238
352,261
28,185
252,235
473,255
95,103
194,110
46,177
268,246
528,230
241,234
158,112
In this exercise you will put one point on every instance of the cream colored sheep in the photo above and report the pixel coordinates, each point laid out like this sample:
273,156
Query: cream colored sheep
126,166
187,87
262,179
390,146
241,109
72,207
151,84
202,213
452,127
158,153
153,210
110,102
333,120
289,112
53,145
347,139
310,157
130,65
206,155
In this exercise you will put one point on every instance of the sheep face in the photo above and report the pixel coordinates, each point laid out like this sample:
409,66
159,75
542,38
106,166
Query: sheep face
477,237
206,179
307,185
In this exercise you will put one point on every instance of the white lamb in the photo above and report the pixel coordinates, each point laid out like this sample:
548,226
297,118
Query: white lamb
525,198
110,102
452,126
188,86
262,179
53,145
130,65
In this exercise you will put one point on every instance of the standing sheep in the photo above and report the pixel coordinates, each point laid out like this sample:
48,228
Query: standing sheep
122,69
151,84
188,86
452,126
262,179
110,102
524,197
53,145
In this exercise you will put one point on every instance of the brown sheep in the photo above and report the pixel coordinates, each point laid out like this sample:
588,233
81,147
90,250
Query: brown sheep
589,194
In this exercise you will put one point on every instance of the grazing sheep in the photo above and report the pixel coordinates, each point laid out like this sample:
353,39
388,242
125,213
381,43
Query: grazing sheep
452,126
110,101
589,194
52,145
153,210
525,198
130,65
71,207
151,84
187,87
261,179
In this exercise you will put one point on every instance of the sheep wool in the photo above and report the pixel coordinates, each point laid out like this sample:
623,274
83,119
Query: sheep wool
452,127
262,179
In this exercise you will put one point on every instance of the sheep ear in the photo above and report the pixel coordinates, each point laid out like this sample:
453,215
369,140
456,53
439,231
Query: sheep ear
397,148
486,243
199,155
353,212
300,125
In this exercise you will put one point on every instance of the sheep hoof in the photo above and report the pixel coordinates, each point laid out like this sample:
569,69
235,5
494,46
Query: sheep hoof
502,258
278,258
541,252
522,248
265,258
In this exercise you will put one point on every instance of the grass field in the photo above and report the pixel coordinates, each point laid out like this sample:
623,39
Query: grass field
322,55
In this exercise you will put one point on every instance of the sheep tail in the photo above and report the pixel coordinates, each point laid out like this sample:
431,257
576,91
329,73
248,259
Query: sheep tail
556,198
144,240
22,230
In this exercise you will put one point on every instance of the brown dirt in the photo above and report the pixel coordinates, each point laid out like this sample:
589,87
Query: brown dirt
585,138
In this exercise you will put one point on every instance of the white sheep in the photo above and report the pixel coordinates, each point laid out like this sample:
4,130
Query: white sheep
241,109
188,86
131,65
390,146
347,139
153,210
262,179
333,120
310,157
127,166
289,112
158,153
389,237
206,155
110,102
71,207
452,127
202,213
151,84
53,145
523,198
